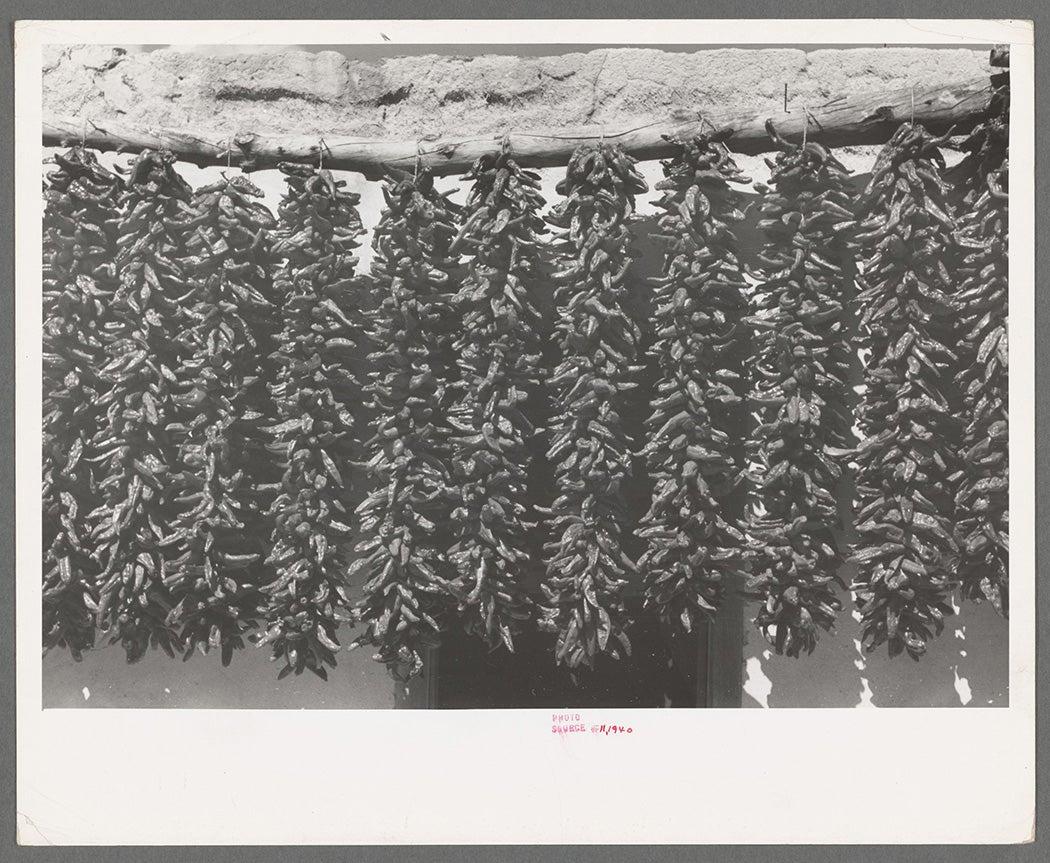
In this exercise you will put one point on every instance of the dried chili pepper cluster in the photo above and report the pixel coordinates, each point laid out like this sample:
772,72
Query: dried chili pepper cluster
982,500
405,519
906,554
220,384
314,439
137,455
694,541
497,352
81,207
202,398
800,369
599,343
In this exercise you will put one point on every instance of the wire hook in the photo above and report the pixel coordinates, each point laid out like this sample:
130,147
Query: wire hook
419,158
911,122
321,147
805,125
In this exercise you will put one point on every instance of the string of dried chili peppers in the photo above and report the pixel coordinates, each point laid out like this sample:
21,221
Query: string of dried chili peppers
215,571
694,541
315,438
800,369
406,517
497,352
598,340
906,555
137,454
982,500
82,204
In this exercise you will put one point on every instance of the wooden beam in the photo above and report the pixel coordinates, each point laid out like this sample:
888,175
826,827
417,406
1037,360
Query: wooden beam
866,119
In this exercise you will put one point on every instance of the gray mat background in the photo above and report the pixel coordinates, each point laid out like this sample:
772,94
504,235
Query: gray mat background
315,9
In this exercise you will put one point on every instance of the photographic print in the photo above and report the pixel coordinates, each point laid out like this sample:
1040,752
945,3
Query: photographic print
542,376
618,418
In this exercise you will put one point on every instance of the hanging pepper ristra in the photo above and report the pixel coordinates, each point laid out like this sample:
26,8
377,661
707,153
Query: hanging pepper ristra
315,390
800,385
982,498
133,530
694,452
215,571
497,352
406,518
598,339
905,556
82,204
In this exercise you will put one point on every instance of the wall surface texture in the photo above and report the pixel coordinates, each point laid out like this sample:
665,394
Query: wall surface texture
968,665
428,95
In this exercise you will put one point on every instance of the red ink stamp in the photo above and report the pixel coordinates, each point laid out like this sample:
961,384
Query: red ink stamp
574,723
611,729
567,723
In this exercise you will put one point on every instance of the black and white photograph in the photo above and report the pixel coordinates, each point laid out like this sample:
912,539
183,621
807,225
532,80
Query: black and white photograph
531,419
556,376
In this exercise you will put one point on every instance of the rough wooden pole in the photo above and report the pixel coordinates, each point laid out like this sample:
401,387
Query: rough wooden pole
869,119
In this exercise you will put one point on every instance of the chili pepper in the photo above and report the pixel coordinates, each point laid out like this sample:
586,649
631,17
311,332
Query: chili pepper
315,440
82,203
586,567
907,413
497,355
220,388
692,529
135,518
799,389
406,519
982,501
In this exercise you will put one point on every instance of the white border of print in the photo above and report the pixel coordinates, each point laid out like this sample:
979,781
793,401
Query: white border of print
500,776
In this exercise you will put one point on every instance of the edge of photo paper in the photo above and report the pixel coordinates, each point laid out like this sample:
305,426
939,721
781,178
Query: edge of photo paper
328,777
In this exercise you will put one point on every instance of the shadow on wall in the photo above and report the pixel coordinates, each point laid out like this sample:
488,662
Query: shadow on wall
104,679
967,666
